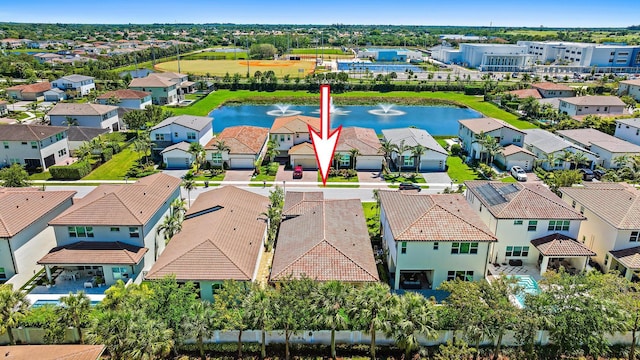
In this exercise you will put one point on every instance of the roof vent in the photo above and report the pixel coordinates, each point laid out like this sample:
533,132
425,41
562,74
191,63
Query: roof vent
144,193
345,229
234,229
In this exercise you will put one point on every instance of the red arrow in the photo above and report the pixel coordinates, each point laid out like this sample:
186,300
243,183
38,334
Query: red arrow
324,144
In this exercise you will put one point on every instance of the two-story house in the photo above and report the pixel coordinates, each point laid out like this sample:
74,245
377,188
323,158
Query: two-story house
163,91
471,129
30,92
586,105
173,135
34,146
291,133
630,87
85,114
430,239
244,146
629,130
24,234
81,85
551,150
208,255
129,99
608,148
612,228
434,157
323,240
112,231
533,225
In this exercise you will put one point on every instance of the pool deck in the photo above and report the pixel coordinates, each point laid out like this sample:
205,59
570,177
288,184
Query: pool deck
513,270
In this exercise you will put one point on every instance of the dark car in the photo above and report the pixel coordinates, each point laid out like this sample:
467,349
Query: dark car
409,186
297,172
599,173
587,174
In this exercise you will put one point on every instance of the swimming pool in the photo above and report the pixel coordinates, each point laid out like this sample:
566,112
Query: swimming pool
42,302
529,286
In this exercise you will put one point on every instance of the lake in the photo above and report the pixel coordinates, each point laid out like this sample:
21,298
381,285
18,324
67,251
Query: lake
437,120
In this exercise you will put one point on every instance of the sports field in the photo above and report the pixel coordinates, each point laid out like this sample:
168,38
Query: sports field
221,67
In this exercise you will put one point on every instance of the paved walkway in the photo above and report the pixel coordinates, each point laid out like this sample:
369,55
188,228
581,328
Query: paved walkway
238,175
264,269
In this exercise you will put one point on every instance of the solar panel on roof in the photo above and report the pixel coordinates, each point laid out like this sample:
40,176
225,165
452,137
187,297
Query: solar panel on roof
509,189
491,195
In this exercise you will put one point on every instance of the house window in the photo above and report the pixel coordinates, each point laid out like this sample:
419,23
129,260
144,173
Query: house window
517,139
517,222
634,236
216,287
134,232
517,251
6,144
558,225
216,158
345,160
288,137
573,204
436,245
606,260
637,132
461,275
191,136
281,138
407,161
159,137
403,249
3,274
62,152
582,210
464,248
533,225
175,134
59,136
80,231
115,229
119,273
34,144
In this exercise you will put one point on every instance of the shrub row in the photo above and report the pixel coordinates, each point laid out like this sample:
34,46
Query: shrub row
75,171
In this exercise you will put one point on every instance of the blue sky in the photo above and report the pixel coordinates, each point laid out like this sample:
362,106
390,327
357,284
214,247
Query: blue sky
548,13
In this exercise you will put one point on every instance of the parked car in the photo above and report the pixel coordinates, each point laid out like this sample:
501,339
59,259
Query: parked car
409,186
587,174
599,173
297,172
518,173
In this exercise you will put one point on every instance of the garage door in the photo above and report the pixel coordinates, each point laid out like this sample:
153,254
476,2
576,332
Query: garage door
524,164
432,165
177,163
241,163
369,164
309,164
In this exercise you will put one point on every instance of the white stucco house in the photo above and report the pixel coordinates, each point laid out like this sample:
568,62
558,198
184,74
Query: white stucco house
629,130
587,105
630,87
470,129
547,146
246,144
430,239
129,99
433,159
34,146
180,129
291,133
529,221
608,148
81,84
512,155
85,114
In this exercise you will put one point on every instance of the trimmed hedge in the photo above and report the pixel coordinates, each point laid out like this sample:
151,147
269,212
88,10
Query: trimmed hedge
107,154
272,170
474,90
75,171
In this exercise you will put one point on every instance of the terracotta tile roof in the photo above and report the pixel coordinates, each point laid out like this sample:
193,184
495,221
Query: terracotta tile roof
227,250
521,201
486,124
551,86
95,252
79,109
413,137
594,100
630,258
590,137
133,204
513,149
21,208
294,124
560,245
151,81
363,139
298,202
32,88
622,208
525,93
327,240
304,148
52,352
189,121
418,217
84,133
28,132
635,82
241,139
125,94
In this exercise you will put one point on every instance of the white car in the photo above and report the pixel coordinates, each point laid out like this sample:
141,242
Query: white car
518,173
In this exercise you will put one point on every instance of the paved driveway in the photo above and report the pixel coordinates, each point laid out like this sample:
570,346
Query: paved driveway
436,177
287,175
175,173
238,175
370,177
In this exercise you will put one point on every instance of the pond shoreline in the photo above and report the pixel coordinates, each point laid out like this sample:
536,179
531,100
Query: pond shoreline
341,101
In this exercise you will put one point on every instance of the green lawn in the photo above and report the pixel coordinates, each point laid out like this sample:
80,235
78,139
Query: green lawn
354,186
338,178
219,177
318,51
459,171
217,98
508,179
393,178
45,175
117,167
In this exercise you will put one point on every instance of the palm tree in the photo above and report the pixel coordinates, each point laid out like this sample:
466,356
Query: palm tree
75,311
197,150
14,305
550,159
417,152
272,149
492,146
579,158
274,216
336,159
189,184
221,147
401,149
621,161
69,121
200,323
480,139
386,149
566,157
414,316
371,305
83,151
353,153
143,144
169,227
258,310
178,207
331,300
